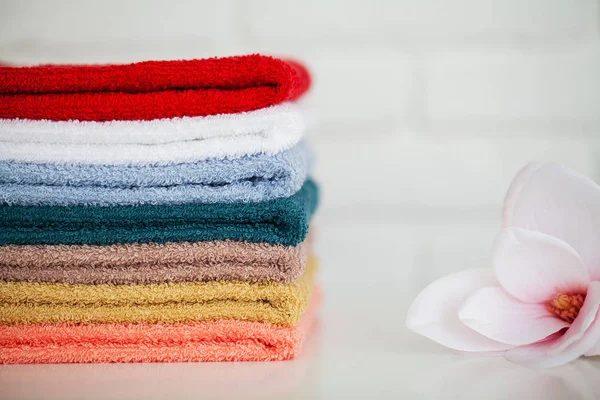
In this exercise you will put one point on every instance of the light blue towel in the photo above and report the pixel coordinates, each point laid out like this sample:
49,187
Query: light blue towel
247,179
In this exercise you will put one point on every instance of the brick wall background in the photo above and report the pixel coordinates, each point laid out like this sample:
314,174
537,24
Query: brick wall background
427,108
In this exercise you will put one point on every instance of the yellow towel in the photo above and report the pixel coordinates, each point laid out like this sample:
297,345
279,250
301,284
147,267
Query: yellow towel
277,303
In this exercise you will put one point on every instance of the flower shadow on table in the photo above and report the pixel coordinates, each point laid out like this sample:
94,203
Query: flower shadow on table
494,378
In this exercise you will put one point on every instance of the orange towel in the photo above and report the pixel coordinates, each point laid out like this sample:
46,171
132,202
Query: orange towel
220,340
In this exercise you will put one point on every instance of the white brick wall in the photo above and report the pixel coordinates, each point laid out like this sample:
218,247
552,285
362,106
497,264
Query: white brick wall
539,85
428,107
437,172
433,21
382,87
74,21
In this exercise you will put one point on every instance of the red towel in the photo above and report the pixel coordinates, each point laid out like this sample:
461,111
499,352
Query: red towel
149,90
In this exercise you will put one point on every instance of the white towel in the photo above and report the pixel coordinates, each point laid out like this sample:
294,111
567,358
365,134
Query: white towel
164,141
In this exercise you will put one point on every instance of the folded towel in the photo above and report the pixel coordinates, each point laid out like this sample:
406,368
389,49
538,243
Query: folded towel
149,90
221,340
164,141
154,263
27,303
247,179
273,120
281,221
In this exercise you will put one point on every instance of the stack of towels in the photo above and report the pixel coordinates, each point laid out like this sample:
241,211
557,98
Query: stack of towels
156,211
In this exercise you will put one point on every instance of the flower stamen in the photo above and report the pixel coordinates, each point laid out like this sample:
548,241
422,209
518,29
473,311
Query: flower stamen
566,306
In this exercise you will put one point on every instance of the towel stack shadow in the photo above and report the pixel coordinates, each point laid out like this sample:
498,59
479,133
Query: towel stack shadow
156,212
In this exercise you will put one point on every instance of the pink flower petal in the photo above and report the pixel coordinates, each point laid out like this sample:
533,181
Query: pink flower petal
434,313
535,267
594,351
559,202
492,312
579,339
515,190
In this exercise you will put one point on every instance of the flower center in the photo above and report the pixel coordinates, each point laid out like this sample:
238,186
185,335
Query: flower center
566,306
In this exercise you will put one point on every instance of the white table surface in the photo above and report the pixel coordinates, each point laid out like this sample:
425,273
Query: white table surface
360,348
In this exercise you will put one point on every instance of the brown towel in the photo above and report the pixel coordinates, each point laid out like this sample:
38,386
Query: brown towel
154,263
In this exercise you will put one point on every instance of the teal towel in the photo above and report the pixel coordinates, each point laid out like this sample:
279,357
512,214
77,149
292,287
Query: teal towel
281,221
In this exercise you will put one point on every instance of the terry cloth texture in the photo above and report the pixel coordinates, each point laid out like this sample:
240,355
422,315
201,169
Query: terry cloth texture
282,221
247,179
155,142
154,263
283,304
221,340
149,90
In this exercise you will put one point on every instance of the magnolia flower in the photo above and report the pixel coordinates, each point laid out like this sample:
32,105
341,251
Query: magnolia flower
539,305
